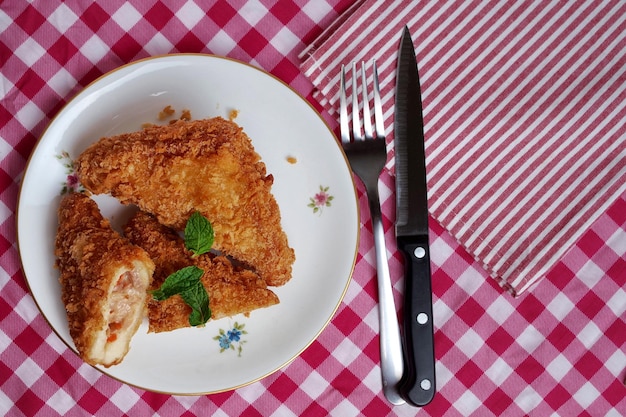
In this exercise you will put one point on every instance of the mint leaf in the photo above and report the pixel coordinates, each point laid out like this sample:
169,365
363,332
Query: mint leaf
198,299
178,282
199,234
186,282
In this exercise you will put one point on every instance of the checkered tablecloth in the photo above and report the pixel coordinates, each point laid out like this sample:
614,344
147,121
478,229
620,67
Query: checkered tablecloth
557,350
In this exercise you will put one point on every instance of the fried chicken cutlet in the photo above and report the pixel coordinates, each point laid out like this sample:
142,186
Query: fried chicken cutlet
208,166
104,281
231,290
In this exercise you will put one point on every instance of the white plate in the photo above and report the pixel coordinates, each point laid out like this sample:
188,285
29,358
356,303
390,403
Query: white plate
282,125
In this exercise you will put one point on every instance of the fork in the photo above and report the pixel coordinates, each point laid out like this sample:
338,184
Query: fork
367,155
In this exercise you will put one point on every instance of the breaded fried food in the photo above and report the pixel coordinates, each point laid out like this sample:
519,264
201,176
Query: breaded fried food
231,290
104,281
208,166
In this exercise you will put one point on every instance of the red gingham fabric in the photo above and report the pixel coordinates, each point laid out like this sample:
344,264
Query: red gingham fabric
559,350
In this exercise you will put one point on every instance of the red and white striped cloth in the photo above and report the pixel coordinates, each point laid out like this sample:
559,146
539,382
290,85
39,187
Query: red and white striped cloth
524,112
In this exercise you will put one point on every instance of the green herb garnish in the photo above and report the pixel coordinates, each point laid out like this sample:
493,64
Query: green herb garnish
186,282
199,234
184,279
198,299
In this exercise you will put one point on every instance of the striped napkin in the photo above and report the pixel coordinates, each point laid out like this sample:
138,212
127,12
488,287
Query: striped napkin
524,112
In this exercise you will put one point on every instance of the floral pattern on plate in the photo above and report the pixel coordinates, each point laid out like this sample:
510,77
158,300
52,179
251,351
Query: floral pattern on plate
320,200
232,339
71,184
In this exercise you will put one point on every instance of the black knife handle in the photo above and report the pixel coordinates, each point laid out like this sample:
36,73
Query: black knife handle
418,383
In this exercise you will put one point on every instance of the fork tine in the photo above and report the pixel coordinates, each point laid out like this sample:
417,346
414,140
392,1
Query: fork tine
378,108
343,109
367,133
367,116
356,120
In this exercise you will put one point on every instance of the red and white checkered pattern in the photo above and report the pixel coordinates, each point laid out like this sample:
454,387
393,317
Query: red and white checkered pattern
559,350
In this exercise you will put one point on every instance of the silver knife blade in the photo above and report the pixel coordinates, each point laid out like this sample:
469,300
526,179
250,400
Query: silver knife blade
411,194
418,383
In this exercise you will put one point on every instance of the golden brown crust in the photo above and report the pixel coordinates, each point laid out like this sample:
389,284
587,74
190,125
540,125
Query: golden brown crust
89,256
231,290
206,165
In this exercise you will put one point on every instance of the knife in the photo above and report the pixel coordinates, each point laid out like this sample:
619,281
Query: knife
418,383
